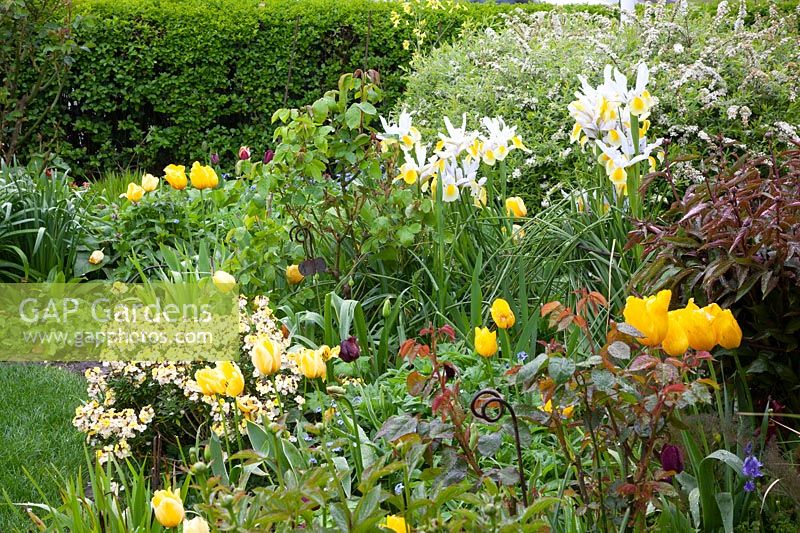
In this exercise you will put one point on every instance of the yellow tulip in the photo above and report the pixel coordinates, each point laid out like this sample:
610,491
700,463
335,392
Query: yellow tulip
396,523
515,206
149,182
502,314
134,193
176,176
266,357
727,330
168,508
226,379
293,274
211,381
676,342
97,257
224,281
697,323
196,525
234,380
311,364
485,342
326,352
649,316
203,177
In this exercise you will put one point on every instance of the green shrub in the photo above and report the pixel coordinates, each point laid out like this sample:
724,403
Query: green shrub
178,80
712,73
36,51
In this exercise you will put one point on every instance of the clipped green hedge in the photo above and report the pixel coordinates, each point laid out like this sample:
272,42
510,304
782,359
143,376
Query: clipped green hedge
166,81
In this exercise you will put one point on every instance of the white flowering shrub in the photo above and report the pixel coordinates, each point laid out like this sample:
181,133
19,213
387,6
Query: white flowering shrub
729,73
130,403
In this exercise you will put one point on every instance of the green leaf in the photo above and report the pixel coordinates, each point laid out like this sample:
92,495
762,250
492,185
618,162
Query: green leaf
561,369
352,117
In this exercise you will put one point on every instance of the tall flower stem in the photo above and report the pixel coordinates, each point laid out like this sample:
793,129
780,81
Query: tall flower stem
441,289
634,176
505,345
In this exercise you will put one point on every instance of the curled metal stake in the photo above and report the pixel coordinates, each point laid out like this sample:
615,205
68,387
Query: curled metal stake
489,405
302,235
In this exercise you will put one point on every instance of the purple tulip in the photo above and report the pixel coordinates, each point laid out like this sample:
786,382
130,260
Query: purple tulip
215,158
672,459
268,155
349,350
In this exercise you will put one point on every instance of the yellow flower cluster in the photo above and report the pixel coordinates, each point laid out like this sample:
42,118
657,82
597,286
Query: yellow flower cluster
677,331
109,424
110,429
201,176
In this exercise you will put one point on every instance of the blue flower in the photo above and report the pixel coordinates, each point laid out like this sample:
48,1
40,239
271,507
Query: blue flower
522,356
312,461
337,450
398,488
749,485
752,467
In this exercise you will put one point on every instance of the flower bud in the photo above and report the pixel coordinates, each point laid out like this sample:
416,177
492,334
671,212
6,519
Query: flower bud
349,350
268,156
244,153
215,158
672,458
387,308
335,391
97,257
199,467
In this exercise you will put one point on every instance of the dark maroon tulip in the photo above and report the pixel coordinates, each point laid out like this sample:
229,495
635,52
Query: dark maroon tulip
672,458
215,158
449,370
349,350
268,155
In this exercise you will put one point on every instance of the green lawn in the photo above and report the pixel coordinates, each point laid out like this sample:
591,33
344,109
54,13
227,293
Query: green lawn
36,433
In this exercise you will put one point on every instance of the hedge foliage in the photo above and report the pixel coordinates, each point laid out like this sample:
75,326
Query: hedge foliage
174,80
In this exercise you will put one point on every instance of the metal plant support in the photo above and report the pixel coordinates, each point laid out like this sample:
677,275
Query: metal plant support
489,405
